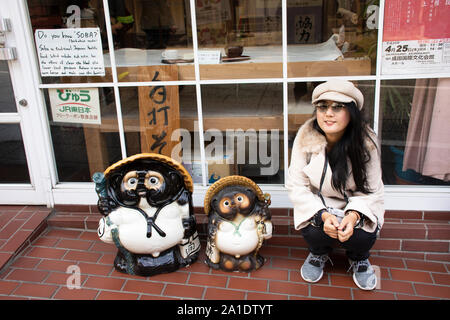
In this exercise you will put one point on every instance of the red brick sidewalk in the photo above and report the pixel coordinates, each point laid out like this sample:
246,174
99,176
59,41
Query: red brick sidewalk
39,272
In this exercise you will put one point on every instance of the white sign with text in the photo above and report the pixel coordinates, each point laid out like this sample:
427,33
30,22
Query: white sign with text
209,56
416,56
70,52
75,105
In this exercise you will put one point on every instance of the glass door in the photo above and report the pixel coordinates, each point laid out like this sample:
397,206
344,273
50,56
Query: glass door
22,164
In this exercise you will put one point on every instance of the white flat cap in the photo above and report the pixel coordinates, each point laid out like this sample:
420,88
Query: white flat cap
339,91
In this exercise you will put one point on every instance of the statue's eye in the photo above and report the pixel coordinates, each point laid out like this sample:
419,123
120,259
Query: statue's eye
226,203
240,198
153,181
132,182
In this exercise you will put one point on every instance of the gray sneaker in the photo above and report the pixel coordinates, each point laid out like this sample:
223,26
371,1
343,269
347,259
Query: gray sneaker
312,269
363,274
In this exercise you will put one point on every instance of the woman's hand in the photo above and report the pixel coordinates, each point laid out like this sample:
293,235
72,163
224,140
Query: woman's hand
330,224
345,229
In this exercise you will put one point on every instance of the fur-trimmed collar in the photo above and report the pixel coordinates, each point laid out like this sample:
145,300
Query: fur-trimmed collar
309,139
312,141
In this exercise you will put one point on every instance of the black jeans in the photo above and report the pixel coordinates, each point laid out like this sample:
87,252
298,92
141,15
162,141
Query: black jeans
357,246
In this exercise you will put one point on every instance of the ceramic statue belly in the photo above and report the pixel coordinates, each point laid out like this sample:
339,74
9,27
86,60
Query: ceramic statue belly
132,228
237,242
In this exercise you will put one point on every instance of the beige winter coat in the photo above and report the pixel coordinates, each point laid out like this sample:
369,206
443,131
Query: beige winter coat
305,171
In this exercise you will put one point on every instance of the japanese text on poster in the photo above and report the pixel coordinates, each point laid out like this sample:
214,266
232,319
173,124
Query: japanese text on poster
70,52
416,37
76,105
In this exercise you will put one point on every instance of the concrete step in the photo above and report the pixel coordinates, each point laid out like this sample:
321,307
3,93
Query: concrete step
19,227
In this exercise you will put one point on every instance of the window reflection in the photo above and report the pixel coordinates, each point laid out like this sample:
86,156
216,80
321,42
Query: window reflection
243,131
81,148
246,33
150,24
7,101
13,161
158,23
325,38
415,133
150,35
331,38
163,120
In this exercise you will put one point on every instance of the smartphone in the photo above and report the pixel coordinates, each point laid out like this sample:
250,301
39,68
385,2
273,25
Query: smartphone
340,214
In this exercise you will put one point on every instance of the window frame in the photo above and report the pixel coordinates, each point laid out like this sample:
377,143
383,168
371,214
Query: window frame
397,197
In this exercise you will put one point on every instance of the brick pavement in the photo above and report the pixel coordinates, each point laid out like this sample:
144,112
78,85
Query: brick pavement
411,254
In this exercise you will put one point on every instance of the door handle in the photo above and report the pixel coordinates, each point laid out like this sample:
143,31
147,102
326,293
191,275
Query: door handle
23,102
6,53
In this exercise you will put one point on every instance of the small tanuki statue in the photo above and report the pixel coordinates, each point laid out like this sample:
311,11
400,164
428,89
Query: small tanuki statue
239,221
147,203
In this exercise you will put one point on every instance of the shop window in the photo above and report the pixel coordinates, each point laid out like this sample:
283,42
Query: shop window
415,131
331,38
164,120
236,39
243,131
13,161
7,100
84,131
246,33
155,36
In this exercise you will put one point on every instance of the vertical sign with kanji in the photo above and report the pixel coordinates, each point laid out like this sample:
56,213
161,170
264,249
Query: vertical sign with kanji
304,18
159,113
75,105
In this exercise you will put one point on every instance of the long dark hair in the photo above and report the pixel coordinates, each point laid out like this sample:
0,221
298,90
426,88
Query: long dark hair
352,145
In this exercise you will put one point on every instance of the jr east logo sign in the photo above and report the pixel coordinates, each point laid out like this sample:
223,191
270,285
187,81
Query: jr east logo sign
76,105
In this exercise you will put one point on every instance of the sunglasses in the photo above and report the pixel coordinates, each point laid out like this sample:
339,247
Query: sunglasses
323,107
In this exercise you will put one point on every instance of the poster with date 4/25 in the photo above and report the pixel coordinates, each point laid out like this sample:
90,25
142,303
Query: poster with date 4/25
416,37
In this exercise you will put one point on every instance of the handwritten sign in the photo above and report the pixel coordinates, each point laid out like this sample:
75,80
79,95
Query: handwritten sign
70,52
159,110
209,56
77,105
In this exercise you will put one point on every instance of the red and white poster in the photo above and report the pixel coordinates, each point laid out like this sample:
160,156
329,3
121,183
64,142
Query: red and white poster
416,36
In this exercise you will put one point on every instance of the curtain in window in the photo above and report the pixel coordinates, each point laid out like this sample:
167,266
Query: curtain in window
427,148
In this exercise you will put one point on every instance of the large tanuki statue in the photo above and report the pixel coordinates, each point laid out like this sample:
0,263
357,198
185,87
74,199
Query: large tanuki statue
147,203
239,221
